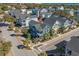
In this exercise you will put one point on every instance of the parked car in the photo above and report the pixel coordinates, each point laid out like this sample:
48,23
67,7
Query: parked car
12,35
21,46
0,31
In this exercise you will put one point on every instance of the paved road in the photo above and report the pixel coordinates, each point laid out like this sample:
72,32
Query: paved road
51,44
15,51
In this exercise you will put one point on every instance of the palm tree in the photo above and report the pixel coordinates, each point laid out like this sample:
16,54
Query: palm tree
42,54
11,26
17,30
46,36
61,30
4,7
51,32
25,32
78,24
27,43
9,18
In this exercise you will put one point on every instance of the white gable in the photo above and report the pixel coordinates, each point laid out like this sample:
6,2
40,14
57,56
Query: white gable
44,10
29,19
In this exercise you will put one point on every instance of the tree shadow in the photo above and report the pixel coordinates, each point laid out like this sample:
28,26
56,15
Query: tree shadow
59,51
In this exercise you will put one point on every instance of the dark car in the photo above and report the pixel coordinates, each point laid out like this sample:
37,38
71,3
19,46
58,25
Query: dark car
12,35
0,31
3,24
21,46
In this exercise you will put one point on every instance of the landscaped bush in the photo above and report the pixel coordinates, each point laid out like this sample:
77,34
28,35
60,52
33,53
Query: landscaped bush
4,48
11,26
42,54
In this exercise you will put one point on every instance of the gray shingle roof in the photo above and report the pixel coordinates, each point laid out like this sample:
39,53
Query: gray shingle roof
32,22
22,16
37,25
17,14
62,19
50,21
42,25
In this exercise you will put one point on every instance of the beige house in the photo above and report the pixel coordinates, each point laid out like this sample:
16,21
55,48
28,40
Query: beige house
1,15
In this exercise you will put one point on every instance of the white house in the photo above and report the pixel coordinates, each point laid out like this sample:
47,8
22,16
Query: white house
6,12
29,11
24,22
44,10
45,15
23,11
71,12
28,19
61,8
1,15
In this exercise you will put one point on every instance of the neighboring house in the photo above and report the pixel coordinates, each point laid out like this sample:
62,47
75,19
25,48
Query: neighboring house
13,7
71,12
64,22
55,22
74,23
1,15
11,12
45,15
72,47
77,13
60,8
52,22
29,11
36,12
23,11
29,18
41,12
32,28
24,20
6,12
15,13
38,29
44,10
51,9
19,15
21,20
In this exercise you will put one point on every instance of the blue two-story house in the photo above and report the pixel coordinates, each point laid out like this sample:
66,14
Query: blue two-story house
38,29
